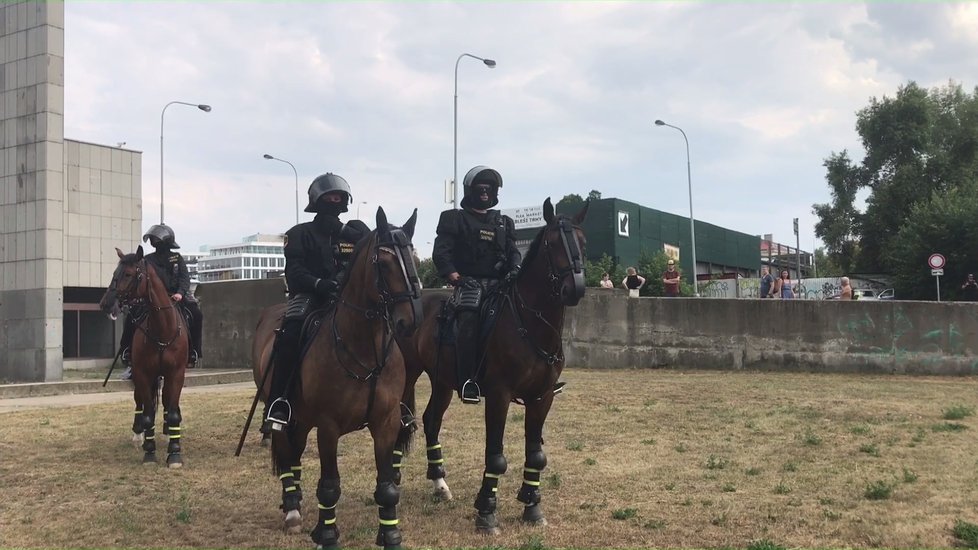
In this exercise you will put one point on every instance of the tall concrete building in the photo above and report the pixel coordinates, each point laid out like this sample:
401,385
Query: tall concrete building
64,207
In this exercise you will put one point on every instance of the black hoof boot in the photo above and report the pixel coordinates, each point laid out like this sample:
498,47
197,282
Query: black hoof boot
389,538
174,460
149,458
486,523
326,537
533,515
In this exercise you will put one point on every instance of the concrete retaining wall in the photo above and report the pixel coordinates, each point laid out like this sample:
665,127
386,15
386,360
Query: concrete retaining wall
609,330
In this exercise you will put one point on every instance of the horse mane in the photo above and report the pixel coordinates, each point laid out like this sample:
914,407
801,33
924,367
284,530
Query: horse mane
355,257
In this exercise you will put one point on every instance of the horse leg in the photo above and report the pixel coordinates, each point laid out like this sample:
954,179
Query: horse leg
387,494
172,386
148,421
441,398
326,534
497,408
287,449
536,460
137,420
409,424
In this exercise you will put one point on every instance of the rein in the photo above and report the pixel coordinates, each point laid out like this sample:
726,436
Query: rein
139,297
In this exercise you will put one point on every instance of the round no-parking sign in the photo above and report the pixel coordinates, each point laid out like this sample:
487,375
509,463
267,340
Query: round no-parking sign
935,261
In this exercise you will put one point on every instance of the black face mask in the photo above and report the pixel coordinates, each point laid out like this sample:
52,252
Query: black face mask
483,204
332,208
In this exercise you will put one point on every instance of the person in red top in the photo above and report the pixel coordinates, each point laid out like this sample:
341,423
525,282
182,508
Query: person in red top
670,279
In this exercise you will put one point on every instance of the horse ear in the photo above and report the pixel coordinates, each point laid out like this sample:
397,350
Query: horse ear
381,219
548,211
139,253
409,225
579,217
120,253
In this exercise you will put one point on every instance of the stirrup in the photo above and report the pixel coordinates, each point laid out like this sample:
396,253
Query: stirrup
470,384
276,424
559,387
192,361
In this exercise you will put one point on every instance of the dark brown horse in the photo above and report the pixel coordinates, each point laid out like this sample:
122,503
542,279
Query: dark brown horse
159,350
522,360
351,377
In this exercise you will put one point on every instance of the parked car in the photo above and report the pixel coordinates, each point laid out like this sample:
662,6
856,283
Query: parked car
866,294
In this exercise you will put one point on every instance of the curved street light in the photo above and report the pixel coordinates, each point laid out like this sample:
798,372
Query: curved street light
270,157
360,203
488,63
202,107
692,228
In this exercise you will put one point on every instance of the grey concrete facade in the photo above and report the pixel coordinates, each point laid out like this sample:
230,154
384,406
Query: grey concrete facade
609,330
32,198
64,205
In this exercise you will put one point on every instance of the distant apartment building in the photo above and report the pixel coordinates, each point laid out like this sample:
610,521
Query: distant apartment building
257,256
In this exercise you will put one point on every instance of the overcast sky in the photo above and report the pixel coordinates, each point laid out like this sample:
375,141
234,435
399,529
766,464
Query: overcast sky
765,91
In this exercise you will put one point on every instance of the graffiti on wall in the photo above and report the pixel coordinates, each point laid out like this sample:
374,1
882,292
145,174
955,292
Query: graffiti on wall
808,289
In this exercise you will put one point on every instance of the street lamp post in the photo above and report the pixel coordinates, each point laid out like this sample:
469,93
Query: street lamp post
692,227
358,208
270,157
489,63
202,107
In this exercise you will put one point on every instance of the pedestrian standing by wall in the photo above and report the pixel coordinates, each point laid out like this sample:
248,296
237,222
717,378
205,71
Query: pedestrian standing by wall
784,288
670,279
846,293
633,282
606,282
969,290
767,283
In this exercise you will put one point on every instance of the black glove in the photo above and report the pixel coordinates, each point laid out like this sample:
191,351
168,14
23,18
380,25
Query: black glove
470,283
326,288
512,275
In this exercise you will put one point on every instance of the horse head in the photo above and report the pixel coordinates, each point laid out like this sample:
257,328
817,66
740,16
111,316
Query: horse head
125,285
562,243
397,289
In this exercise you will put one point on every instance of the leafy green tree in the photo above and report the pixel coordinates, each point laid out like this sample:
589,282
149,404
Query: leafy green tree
594,195
918,143
569,203
606,264
652,266
428,274
945,224
827,266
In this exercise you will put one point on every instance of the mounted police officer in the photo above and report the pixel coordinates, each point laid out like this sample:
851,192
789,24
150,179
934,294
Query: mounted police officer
172,269
474,250
316,254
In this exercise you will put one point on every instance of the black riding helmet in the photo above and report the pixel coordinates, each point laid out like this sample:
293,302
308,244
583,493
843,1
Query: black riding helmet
481,175
324,184
161,236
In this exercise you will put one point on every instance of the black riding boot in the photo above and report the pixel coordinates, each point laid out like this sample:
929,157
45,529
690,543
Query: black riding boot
467,357
125,343
286,352
196,333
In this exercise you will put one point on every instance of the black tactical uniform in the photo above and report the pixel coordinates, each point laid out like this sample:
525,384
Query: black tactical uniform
172,269
316,254
475,249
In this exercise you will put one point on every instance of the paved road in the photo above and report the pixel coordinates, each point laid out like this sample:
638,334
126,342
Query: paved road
78,399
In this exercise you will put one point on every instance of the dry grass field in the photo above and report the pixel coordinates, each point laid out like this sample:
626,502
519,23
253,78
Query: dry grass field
636,459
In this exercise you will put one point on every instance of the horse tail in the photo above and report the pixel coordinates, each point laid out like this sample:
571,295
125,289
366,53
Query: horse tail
409,421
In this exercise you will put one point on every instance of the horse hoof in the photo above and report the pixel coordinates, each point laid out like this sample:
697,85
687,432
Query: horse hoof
149,459
137,439
174,463
533,515
542,522
487,524
488,531
293,522
442,491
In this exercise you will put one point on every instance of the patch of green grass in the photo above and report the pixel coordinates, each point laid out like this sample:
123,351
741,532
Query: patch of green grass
811,438
681,448
575,446
790,466
948,427
909,476
553,480
714,462
829,514
878,490
719,520
729,488
612,408
184,513
517,416
919,436
859,429
622,514
764,544
590,461
649,403
870,449
533,542
781,489
669,486
957,412
966,532
825,501
655,524
687,502
649,441
753,471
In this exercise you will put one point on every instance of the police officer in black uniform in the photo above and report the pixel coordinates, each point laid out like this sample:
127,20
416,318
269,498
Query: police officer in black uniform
316,254
172,269
474,250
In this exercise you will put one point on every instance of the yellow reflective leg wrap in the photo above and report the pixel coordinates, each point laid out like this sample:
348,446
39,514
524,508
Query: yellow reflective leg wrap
389,522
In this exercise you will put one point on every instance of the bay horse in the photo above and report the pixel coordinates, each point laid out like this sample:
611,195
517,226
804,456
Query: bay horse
161,351
351,377
522,360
